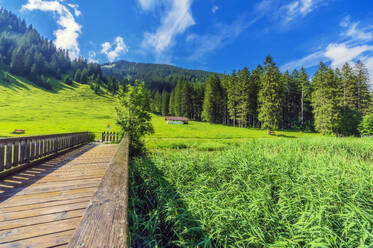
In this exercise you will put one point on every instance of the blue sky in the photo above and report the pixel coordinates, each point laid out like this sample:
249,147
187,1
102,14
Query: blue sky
214,35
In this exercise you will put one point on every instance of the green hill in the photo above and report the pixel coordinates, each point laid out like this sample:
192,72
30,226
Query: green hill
64,108
155,75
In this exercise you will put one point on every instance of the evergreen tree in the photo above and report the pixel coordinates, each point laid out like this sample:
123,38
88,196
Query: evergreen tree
306,116
254,93
212,108
171,106
231,84
363,93
243,101
270,99
157,102
77,76
186,100
84,76
165,102
325,100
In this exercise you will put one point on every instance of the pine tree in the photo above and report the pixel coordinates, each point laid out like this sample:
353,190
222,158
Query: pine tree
231,84
243,101
270,99
305,105
326,97
165,102
171,106
177,98
186,102
84,76
350,90
212,108
157,102
254,93
363,93
77,75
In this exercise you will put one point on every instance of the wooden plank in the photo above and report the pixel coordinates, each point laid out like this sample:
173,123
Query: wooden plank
40,212
47,197
105,222
45,205
7,225
48,188
22,233
59,240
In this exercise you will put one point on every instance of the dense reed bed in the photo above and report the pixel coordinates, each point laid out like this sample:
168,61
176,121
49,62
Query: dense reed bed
312,192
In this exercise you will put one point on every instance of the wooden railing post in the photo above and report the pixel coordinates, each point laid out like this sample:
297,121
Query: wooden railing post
16,153
8,155
2,156
22,151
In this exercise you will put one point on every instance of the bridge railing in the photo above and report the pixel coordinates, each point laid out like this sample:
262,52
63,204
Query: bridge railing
21,151
110,137
105,221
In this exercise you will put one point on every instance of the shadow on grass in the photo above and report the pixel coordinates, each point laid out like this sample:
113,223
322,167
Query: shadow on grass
158,217
14,85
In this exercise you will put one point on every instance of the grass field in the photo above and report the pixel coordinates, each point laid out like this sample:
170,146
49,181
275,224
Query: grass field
64,109
307,192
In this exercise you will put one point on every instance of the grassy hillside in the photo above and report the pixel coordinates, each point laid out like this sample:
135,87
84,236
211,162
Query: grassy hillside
63,109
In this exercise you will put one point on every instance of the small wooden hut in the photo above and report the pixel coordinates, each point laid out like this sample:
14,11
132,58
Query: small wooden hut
176,120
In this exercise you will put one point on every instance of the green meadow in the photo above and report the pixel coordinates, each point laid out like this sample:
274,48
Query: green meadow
61,110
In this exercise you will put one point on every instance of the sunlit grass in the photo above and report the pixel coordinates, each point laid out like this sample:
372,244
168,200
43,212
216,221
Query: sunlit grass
308,192
65,109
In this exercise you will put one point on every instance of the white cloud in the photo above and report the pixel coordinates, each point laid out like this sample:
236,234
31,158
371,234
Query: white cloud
339,54
310,60
296,9
68,33
147,4
223,35
358,46
214,9
113,53
354,32
75,7
92,57
176,20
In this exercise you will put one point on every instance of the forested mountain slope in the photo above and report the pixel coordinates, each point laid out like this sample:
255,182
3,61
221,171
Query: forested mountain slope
24,52
155,75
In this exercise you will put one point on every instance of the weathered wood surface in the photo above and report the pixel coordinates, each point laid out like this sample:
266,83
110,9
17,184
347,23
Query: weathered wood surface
42,206
105,221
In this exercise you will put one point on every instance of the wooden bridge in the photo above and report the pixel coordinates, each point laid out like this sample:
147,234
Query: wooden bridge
62,191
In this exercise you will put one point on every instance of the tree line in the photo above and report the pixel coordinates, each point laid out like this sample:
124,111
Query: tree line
333,102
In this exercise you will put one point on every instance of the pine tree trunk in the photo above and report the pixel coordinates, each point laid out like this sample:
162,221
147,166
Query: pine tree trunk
268,131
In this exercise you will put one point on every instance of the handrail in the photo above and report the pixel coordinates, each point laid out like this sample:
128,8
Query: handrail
17,153
105,221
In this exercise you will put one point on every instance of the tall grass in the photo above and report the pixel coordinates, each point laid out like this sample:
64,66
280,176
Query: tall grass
266,193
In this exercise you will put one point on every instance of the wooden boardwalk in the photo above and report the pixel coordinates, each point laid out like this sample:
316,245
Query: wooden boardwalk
42,206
